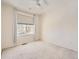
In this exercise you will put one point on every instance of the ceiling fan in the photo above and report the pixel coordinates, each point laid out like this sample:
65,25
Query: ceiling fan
38,3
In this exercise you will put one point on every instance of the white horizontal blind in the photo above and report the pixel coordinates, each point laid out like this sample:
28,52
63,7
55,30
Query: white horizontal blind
24,18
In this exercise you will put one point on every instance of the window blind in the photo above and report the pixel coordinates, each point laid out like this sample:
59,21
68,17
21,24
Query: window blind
25,19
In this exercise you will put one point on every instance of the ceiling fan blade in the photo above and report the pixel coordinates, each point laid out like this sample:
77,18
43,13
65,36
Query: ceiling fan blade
37,2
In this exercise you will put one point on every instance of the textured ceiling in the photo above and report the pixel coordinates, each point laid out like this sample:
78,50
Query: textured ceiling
31,6
28,5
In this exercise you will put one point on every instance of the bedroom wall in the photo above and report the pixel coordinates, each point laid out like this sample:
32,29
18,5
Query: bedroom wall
59,24
8,21
7,14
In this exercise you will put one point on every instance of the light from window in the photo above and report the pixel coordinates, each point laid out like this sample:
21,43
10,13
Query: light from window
25,29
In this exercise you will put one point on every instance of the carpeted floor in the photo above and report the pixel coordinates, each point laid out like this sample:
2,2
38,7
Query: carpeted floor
39,50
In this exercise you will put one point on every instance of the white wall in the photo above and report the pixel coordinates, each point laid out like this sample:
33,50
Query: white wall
7,14
59,24
8,21
38,28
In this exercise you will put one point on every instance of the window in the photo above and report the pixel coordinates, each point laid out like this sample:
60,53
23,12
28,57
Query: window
25,24
25,29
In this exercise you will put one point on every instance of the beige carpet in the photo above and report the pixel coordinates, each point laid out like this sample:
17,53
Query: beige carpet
38,50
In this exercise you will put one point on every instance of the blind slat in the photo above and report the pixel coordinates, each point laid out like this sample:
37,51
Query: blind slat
24,19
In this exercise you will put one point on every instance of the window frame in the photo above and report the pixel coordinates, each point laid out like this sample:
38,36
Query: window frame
26,14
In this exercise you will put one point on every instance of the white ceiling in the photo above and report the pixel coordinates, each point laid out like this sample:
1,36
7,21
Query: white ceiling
30,5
